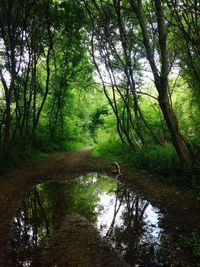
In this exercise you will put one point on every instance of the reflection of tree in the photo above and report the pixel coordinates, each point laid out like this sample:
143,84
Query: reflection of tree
30,229
55,202
41,214
44,209
118,202
130,237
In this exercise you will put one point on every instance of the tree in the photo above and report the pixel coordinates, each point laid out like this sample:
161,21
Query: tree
119,55
42,54
141,28
25,37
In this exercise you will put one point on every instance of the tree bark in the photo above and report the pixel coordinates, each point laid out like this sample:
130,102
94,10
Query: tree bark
161,77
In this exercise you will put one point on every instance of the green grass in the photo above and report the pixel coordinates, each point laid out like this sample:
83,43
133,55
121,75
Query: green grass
162,160
159,160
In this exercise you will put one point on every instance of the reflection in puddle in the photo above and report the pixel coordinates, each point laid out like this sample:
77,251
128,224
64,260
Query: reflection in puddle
128,222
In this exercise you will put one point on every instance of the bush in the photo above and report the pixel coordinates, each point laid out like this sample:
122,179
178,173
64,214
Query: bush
157,159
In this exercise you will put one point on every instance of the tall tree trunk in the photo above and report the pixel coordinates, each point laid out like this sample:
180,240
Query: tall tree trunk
161,77
7,118
7,127
176,136
48,74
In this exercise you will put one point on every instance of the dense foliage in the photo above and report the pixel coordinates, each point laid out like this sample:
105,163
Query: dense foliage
118,73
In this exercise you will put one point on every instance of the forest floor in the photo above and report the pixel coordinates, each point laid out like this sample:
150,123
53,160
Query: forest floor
86,247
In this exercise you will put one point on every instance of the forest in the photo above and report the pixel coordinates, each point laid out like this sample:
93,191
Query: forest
85,84
122,75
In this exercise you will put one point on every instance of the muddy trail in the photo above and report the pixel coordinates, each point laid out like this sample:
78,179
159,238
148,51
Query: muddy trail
76,241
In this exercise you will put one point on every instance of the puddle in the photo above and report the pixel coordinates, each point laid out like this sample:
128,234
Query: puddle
128,222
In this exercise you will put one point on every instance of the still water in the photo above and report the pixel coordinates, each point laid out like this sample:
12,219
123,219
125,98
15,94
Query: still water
128,222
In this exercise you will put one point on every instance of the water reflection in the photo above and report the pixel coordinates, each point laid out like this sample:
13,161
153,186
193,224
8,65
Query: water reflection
131,225
128,222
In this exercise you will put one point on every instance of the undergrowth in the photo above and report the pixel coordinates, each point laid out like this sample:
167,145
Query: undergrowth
20,157
191,242
160,160
40,151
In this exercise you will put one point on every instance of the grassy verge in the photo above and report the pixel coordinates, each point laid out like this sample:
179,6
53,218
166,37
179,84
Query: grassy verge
158,160
21,157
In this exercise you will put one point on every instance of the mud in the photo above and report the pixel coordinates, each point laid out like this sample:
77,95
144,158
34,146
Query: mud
182,212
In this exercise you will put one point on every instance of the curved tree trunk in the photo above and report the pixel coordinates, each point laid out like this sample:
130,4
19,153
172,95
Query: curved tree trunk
174,130
161,76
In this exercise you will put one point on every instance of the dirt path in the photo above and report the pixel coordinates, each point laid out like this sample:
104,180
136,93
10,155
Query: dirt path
183,212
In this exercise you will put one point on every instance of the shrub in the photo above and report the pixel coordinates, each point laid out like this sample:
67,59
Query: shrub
158,159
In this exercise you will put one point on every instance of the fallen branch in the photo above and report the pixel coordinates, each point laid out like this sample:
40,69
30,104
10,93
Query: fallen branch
117,171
